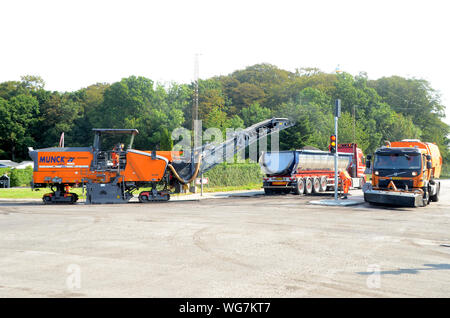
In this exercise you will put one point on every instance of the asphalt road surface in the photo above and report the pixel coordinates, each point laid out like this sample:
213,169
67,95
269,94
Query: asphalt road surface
240,246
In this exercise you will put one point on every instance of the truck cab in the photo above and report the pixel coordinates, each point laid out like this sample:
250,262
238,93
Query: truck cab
358,164
404,173
403,166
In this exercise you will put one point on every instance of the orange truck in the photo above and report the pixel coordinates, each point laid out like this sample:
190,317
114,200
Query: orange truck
404,173
111,173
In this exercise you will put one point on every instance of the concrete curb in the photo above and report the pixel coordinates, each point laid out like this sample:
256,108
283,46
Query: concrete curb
333,202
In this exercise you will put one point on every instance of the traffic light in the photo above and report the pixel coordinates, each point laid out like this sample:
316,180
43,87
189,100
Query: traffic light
332,143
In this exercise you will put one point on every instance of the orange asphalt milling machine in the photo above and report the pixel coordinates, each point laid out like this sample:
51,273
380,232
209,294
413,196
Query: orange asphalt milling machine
111,176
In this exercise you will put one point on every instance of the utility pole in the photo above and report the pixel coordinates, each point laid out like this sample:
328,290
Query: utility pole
195,116
354,124
354,142
195,104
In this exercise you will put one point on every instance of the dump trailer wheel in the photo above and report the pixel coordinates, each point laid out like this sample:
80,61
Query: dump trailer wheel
435,198
74,197
143,198
308,186
300,187
323,184
316,185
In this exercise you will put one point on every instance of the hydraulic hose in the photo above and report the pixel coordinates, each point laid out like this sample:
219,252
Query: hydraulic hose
182,181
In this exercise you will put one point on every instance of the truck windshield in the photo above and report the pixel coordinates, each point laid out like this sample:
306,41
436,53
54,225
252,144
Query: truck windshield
397,161
276,162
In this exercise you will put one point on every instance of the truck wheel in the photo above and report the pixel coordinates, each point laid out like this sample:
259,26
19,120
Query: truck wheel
300,187
308,186
435,198
316,185
268,191
362,181
74,198
426,198
323,184
47,199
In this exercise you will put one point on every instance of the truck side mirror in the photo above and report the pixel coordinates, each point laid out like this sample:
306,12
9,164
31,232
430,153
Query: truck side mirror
429,165
368,158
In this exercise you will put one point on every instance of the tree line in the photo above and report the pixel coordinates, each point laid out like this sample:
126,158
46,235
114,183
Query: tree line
389,108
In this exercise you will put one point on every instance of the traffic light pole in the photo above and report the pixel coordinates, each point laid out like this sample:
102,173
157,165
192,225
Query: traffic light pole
337,114
334,149
336,181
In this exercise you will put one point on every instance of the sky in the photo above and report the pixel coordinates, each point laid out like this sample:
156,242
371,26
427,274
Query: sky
73,44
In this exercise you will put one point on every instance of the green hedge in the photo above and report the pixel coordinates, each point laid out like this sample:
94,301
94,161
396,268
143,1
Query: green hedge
220,176
18,177
234,175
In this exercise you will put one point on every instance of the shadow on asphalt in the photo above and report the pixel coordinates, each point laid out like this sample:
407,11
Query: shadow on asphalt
430,267
6,203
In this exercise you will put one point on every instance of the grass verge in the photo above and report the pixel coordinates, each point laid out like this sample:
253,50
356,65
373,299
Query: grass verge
26,193
252,186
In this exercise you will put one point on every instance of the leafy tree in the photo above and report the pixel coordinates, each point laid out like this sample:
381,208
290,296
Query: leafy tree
127,99
17,115
235,122
254,114
10,89
29,85
265,76
351,131
416,100
313,118
57,115
209,99
389,108
243,95
90,99
136,102
216,119
179,96
32,82
412,97
166,140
